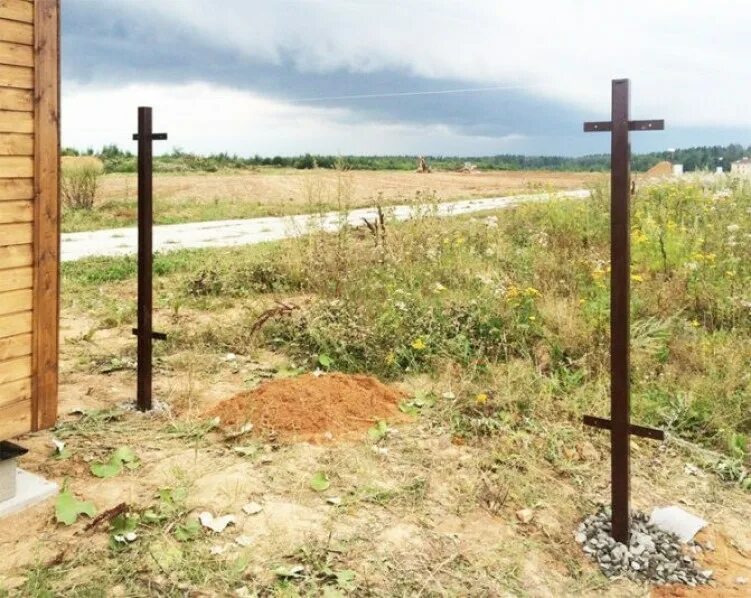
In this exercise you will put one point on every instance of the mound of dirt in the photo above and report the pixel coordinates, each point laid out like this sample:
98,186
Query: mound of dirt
663,168
312,408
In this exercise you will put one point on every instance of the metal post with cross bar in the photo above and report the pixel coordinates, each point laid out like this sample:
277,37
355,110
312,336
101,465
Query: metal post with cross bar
620,255
144,332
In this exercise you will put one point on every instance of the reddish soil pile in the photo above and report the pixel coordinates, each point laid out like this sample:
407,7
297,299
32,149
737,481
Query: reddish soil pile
310,408
660,169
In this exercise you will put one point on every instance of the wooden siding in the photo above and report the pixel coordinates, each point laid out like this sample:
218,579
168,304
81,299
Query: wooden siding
29,214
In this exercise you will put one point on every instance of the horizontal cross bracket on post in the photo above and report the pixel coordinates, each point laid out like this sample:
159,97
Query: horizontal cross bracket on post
633,125
606,424
154,136
160,336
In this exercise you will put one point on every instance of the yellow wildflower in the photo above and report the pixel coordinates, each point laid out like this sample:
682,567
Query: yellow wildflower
532,318
391,358
636,278
481,398
695,323
418,344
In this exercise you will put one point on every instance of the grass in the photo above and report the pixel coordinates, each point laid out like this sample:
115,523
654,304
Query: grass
496,325
513,300
197,197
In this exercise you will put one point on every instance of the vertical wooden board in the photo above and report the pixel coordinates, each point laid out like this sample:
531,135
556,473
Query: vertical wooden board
20,390
12,189
15,346
14,212
16,54
16,99
46,213
15,419
16,32
15,324
15,369
21,77
16,279
15,234
15,256
16,122
15,301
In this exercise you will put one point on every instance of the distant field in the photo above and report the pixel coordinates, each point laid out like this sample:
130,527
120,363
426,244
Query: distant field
279,192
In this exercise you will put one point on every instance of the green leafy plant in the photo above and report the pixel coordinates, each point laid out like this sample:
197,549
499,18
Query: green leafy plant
379,431
68,508
123,457
325,361
320,482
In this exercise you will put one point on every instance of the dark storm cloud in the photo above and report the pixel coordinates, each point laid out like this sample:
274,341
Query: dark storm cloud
111,43
116,42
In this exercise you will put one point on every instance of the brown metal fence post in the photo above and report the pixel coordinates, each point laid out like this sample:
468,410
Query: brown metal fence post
144,331
620,283
619,423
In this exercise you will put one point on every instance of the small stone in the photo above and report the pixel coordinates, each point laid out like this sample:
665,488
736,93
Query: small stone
580,538
741,581
252,508
525,515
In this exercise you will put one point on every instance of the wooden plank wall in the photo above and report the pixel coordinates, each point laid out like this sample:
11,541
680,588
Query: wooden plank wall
29,236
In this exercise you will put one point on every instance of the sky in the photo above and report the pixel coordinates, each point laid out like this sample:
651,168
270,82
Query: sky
276,77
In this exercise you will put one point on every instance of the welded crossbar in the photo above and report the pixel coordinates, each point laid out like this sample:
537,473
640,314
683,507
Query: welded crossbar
620,256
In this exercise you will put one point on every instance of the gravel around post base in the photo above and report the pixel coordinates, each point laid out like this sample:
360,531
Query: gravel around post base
654,555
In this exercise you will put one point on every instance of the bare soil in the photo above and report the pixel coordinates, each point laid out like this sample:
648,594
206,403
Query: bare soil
312,408
425,515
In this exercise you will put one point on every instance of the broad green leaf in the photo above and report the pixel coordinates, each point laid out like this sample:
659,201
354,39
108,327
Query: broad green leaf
325,360
320,482
122,457
68,508
106,470
124,454
190,530
378,431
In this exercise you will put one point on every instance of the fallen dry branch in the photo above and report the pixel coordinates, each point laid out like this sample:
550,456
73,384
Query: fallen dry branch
280,309
107,515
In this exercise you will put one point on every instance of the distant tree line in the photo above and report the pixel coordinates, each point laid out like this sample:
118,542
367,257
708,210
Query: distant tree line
693,158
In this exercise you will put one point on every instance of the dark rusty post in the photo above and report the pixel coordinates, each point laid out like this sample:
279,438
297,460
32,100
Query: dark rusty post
620,287
144,331
620,284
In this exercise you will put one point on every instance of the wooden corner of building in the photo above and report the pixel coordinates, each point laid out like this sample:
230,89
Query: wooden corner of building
46,240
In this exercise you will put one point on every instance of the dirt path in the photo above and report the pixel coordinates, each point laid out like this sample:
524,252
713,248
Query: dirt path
226,233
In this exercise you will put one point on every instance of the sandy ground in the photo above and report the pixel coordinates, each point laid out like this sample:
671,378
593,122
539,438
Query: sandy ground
427,515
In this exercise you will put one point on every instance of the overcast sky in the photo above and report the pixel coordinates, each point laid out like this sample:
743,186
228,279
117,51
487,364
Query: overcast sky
250,76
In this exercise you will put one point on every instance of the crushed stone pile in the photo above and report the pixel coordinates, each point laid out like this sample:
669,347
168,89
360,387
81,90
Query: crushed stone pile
312,407
653,555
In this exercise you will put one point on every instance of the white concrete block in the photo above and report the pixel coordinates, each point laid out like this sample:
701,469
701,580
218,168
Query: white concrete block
30,490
